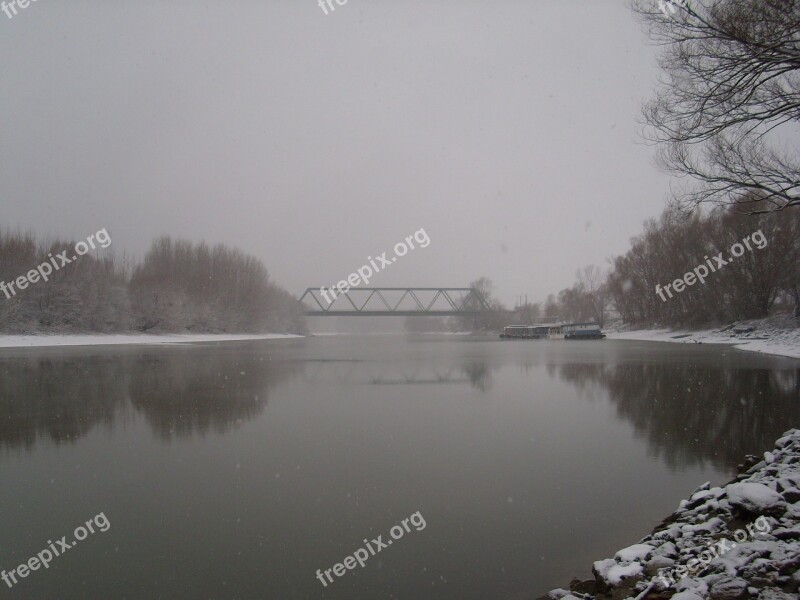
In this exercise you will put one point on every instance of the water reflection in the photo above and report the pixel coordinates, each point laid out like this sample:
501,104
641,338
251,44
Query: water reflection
62,398
180,397
512,443
691,407
474,372
691,413
479,374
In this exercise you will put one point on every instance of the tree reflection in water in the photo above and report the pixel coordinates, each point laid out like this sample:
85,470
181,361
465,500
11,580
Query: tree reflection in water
692,413
180,391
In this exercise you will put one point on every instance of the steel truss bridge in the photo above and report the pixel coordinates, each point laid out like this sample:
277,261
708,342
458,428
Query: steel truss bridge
393,301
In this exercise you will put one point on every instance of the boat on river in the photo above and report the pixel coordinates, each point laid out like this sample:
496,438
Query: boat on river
525,332
554,331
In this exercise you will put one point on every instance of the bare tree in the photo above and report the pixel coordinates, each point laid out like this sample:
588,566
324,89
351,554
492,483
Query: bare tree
729,98
673,245
487,319
592,281
551,308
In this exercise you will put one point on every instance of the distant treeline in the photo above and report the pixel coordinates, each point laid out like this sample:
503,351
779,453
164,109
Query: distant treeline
761,281
179,286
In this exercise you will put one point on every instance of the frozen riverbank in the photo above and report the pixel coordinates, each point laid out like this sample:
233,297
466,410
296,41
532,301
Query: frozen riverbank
777,335
723,543
44,341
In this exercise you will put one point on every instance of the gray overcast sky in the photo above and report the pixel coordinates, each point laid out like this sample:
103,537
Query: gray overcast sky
506,129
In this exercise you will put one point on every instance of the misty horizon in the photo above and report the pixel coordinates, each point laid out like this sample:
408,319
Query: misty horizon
314,141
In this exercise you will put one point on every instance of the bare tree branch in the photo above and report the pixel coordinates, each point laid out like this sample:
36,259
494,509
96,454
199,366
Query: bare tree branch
729,99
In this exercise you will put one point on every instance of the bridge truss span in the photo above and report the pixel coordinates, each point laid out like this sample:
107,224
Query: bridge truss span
393,301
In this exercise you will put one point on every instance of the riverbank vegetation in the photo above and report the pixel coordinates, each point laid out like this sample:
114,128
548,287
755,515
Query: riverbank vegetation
178,286
722,119
759,283
763,281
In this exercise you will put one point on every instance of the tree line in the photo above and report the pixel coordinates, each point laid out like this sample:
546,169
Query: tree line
763,280
179,286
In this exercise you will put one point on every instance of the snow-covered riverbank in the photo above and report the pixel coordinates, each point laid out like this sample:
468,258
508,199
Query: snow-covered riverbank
43,341
724,543
777,335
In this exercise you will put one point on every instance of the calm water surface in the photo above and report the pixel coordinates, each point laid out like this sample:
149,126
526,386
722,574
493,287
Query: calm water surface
237,470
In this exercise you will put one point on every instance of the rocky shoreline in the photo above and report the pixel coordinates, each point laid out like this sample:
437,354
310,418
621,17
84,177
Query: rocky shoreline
734,542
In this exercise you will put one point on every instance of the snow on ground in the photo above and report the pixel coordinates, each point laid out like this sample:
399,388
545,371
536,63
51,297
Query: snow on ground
633,553
40,341
734,542
776,335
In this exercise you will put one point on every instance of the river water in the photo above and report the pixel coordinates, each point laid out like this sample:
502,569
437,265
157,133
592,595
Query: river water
237,470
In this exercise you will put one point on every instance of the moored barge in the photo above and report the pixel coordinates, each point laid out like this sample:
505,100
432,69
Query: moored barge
555,331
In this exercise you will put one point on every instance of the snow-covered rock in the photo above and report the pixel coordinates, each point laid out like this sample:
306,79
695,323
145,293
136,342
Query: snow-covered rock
755,498
687,596
723,543
559,594
734,588
619,573
600,568
635,552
